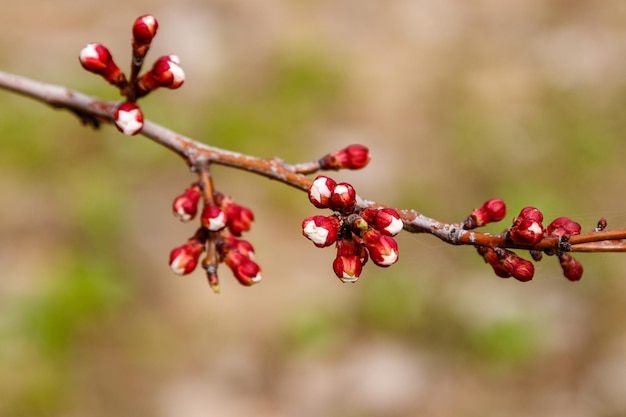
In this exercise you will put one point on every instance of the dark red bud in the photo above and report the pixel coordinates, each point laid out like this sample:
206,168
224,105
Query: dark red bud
351,157
572,269
563,226
491,211
343,198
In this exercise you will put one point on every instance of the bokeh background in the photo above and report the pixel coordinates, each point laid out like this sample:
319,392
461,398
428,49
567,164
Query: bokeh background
459,101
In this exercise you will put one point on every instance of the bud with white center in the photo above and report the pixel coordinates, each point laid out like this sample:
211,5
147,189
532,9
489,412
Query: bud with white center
383,249
347,268
213,218
321,230
184,259
321,190
96,58
166,72
128,118
144,30
387,221
343,198
185,206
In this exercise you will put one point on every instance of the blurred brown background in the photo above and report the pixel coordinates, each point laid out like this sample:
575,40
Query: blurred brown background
459,101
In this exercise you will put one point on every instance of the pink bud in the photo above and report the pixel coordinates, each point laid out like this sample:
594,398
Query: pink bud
493,210
572,269
343,198
244,269
563,226
521,269
321,230
382,249
128,118
144,30
184,259
352,157
321,190
185,206
347,267
213,217
96,58
387,221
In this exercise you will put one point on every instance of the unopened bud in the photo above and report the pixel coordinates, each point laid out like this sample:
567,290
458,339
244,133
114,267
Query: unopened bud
321,190
166,72
184,259
144,30
572,269
351,157
527,228
185,206
96,58
491,257
213,217
383,249
238,218
521,269
128,118
387,221
563,226
493,210
343,198
244,269
347,267
321,230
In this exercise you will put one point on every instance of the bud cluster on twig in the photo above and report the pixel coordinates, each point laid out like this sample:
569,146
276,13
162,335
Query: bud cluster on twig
166,72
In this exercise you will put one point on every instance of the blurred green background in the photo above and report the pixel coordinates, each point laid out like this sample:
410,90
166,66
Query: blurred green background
458,101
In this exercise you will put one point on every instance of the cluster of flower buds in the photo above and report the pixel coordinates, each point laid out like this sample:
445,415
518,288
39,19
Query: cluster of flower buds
358,234
166,72
526,231
222,223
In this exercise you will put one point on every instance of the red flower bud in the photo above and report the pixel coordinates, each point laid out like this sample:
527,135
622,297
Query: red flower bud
343,198
563,226
347,267
382,249
144,30
185,206
349,247
572,269
387,221
238,218
240,245
128,118
184,259
96,58
491,257
244,269
493,210
166,72
601,225
352,157
213,218
521,269
527,228
321,230
321,190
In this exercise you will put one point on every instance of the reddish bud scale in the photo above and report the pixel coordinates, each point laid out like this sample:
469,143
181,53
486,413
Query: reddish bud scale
321,190
387,221
321,230
128,118
563,226
351,157
383,249
185,206
491,211
240,245
343,198
349,247
572,269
